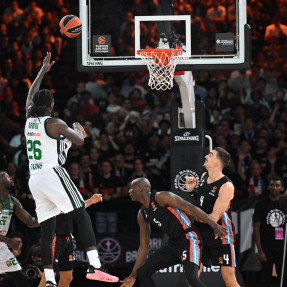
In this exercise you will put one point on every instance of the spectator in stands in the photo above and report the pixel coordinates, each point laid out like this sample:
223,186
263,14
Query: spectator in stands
94,86
276,31
221,141
256,181
86,108
87,176
260,152
216,16
110,186
248,132
281,163
112,107
35,11
109,86
14,12
269,220
3,82
75,174
108,147
77,98
239,80
152,154
94,161
139,169
234,145
244,157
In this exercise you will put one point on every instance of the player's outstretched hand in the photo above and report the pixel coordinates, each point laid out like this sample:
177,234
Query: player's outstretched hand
190,183
47,63
128,282
96,198
219,230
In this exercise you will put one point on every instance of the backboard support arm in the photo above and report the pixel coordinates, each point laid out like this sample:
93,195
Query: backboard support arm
186,86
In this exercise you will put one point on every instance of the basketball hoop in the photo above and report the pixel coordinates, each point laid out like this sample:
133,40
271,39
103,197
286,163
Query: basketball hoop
161,64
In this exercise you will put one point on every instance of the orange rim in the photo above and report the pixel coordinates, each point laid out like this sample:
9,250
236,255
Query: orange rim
149,53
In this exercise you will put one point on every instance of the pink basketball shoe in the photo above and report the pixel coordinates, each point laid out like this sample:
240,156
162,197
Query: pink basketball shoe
100,274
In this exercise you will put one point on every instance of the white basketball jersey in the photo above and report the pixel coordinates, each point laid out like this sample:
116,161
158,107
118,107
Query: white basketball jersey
44,152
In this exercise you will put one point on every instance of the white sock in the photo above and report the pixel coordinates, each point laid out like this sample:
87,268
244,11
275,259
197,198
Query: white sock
94,258
49,274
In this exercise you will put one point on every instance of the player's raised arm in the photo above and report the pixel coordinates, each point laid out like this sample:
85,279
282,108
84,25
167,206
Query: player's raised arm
57,127
37,82
168,198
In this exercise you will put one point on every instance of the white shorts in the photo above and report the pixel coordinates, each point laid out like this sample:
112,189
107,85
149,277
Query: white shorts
8,262
54,192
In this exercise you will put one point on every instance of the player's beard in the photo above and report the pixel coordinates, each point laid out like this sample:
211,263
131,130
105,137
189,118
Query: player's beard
10,186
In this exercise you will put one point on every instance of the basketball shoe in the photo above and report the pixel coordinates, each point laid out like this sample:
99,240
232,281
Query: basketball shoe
100,274
50,284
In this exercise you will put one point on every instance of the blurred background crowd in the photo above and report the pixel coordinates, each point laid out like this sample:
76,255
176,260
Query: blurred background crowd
127,124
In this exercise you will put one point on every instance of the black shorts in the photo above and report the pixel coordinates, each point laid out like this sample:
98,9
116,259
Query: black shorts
184,250
223,255
63,253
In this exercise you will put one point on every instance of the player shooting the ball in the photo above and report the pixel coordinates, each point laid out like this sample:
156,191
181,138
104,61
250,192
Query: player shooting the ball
48,141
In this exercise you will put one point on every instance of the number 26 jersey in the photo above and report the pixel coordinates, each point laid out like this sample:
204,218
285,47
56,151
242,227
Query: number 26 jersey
44,152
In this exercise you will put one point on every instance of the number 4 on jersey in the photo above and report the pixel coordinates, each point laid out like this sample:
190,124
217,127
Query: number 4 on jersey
201,200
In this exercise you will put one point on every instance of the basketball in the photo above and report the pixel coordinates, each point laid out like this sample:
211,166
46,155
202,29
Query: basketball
70,26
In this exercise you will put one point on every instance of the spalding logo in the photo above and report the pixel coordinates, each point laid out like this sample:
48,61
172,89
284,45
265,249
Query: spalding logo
186,137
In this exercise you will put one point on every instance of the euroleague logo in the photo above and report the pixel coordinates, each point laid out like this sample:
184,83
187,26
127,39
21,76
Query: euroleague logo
180,178
102,40
109,250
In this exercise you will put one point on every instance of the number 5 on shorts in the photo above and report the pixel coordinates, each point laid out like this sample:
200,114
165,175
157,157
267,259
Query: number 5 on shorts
183,255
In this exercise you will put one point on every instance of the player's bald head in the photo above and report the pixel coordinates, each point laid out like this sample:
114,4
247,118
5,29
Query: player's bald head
141,182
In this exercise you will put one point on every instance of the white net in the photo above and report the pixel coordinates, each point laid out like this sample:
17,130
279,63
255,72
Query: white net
161,64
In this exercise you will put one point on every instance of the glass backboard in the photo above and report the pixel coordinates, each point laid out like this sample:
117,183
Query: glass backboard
214,34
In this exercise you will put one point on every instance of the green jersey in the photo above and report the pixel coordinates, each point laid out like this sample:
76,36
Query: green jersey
6,212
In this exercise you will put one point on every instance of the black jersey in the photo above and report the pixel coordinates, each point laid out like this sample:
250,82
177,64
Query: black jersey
207,194
172,221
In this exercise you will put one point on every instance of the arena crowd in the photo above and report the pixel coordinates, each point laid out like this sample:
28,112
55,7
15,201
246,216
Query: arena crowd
127,124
